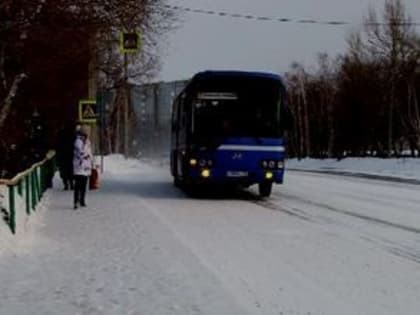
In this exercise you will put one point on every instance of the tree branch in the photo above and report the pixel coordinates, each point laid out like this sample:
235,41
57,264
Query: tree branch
7,104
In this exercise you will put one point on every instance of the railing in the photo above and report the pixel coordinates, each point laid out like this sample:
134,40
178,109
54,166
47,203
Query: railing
30,185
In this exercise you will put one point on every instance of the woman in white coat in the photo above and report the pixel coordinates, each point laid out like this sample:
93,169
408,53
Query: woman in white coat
82,166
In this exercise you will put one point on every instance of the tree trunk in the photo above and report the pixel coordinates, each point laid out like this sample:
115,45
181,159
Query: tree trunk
301,128
416,109
417,118
2,72
117,134
7,104
391,107
330,119
305,117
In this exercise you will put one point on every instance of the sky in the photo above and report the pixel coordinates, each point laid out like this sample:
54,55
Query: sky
204,42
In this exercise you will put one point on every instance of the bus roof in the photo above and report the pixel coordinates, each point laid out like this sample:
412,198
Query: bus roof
216,74
212,74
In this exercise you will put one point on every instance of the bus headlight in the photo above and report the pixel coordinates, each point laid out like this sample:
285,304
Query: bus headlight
269,175
205,173
193,162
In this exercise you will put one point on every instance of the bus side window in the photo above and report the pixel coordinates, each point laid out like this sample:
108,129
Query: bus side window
175,115
183,113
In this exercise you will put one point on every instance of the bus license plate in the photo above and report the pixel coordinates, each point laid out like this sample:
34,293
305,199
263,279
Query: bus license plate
237,174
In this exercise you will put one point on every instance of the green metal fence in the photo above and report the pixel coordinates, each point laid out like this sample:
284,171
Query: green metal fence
30,185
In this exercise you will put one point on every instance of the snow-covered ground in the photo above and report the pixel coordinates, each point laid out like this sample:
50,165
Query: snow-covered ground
408,168
321,245
26,226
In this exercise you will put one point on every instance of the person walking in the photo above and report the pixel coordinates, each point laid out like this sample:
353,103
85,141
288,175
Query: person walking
82,166
64,156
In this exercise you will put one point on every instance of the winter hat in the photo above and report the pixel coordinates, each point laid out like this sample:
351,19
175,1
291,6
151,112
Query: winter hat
84,130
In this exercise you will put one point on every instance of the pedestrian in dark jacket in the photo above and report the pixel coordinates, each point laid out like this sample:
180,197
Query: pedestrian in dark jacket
64,156
82,166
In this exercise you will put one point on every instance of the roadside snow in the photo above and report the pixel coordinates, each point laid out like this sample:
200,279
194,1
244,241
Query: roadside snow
117,164
113,257
408,168
320,245
26,226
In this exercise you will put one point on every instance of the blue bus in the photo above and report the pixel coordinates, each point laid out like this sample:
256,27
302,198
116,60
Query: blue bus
228,128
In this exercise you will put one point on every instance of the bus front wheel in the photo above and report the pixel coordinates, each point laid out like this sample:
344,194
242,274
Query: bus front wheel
265,189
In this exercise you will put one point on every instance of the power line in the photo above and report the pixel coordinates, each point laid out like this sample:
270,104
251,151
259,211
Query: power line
276,19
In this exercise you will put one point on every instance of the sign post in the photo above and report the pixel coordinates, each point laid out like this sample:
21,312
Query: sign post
101,112
130,43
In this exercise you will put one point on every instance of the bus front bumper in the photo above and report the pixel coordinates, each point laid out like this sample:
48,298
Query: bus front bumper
246,178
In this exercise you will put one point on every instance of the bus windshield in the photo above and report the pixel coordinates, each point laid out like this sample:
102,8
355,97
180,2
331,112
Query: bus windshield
244,107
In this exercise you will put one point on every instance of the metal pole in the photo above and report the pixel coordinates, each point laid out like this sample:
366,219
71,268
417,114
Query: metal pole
12,210
20,188
33,191
27,195
100,104
92,88
102,131
126,105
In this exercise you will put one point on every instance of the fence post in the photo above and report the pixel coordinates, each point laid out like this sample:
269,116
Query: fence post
38,186
27,195
31,186
44,170
51,170
20,188
39,180
12,215
33,191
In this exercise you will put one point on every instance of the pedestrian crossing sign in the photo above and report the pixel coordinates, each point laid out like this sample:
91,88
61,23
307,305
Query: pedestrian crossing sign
87,111
130,42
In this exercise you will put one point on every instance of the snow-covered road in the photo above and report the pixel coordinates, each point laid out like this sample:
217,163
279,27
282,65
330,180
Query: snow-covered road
322,244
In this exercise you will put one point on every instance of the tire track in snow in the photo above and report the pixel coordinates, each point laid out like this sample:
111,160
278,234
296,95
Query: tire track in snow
395,249
292,212
359,175
353,214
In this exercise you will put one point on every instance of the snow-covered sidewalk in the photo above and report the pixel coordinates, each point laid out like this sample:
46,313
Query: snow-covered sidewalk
113,257
320,245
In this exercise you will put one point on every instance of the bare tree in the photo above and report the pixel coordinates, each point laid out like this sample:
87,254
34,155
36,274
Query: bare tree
391,42
366,101
297,80
328,90
18,19
48,46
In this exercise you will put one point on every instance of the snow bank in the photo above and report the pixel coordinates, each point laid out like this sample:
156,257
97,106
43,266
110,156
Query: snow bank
406,168
25,225
117,164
